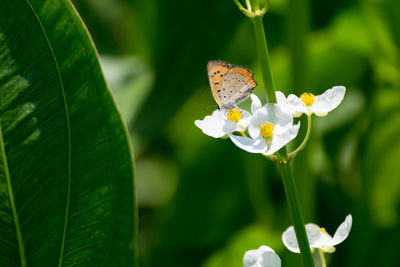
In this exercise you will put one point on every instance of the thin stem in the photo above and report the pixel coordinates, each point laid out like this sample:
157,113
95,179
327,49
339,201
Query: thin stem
271,157
248,5
303,144
322,258
256,4
263,55
295,211
240,6
298,27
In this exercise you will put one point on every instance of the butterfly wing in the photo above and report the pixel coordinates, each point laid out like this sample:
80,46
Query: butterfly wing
237,85
217,70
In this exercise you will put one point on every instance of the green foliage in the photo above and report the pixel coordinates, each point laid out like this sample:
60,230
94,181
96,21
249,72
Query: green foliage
219,201
66,173
202,201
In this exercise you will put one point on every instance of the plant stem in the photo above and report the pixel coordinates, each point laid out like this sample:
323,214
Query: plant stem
255,4
303,144
298,25
263,55
248,4
295,211
322,258
241,8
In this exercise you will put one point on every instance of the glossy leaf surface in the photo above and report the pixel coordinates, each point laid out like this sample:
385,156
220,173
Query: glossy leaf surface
66,172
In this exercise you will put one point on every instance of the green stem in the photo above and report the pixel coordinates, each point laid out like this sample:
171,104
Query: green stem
322,258
255,5
295,211
303,144
263,55
298,27
248,5
240,6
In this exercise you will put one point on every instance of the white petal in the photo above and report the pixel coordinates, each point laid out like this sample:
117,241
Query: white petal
297,105
328,101
211,126
215,126
257,118
244,121
255,103
269,259
314,236
248,144
283,103
343,230
251,257
219,113
290,241
282,136
270,112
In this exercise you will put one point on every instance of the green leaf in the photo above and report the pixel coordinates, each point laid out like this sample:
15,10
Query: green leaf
66,172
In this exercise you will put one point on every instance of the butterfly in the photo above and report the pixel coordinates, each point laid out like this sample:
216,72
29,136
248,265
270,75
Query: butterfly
230,84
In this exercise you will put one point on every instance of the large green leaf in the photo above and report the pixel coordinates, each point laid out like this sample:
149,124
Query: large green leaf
66,175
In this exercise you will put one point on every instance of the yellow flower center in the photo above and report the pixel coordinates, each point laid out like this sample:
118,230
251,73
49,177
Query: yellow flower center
266,129
234,115
307,98
323,231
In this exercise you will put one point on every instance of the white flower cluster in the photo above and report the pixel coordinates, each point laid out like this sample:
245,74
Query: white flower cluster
317,237
270,127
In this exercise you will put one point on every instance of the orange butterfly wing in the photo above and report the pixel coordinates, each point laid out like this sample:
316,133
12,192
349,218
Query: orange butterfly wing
217,70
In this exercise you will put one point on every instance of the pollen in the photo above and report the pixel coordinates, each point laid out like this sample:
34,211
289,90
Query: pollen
266,129
307,98
234,115
323,230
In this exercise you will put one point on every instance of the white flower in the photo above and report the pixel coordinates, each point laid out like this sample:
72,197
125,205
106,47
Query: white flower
318,237
262,257
223,122
270,129
307,103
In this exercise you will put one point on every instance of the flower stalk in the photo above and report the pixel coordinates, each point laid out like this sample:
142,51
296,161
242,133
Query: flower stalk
287,177
322,258
263,55
295,211
303,144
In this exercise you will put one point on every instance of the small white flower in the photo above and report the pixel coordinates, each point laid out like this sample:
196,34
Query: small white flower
262,257
307,103
223,122
318,237
270,129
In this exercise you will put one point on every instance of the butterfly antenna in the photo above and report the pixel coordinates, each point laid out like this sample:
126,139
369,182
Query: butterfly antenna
212,106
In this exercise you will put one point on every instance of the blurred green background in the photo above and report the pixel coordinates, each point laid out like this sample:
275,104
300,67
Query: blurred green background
204,202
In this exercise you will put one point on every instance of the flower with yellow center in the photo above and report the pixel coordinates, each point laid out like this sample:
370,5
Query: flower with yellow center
309,104
266,129
223,122
323,230
308,99
270,129
262,257
234,115
318,237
